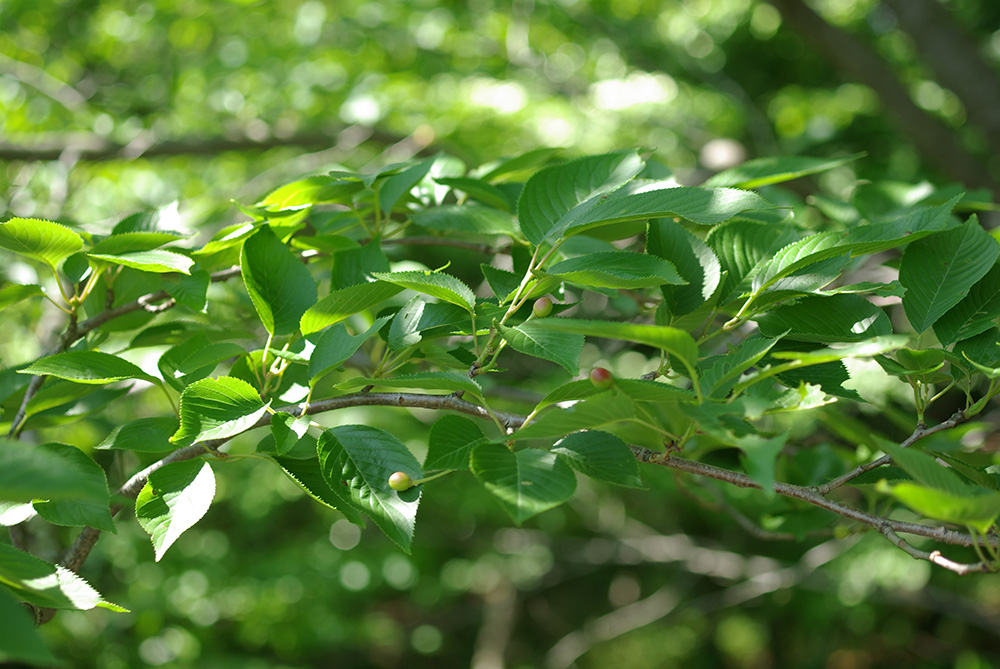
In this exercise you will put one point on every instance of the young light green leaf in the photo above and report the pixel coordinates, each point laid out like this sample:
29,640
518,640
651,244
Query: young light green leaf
308,474
394,187
600,456
79,512
174,498
525,483
694,260
92,367
13,293
938,271
279,285
978,511
194,359
20,642
41,240
335,346
616,269
144,435
217,408
467,219
552,193
132,242
562,348
311,190
45,584
448,381
157,261
450,443
340,304
837,318
364,458
442,286
775,169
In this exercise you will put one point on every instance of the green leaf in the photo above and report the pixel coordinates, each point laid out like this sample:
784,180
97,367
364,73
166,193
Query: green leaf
195,359
436,284
364,458
604,410
91,367
759,455
979,511
157,261
311,190
46,241
44,584
703,206
31,472
79,513
134,241
13,293
838,318
975,313
19,640
694,260
144,435
938,271
741,247
287,430
279,285
190,290
525,483
448,381
394,187
719,372
340,304
864,239
562,348
174,498
353,266
926,470
467,218
450,443
216,409
675,342
600,456
483,191
309,475
511,169
775,169
417,317
336,346
616,269
552,193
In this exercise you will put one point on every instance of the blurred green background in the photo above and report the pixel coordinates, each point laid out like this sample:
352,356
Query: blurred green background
111,107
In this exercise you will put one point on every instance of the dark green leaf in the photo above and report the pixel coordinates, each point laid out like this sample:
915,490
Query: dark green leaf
82,512
436,284
695,262
195,359
91,367
145,435
562,348
450,443
279,285
616,269
345,302
601,456
217,408
309,475
838,318
775,169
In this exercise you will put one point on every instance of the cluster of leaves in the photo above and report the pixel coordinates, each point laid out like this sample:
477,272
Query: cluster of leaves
743,310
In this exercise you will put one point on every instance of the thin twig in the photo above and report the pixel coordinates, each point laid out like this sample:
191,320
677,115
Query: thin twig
919,433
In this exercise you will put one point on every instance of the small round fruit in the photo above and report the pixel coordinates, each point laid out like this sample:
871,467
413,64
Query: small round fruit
601,378
399,481
542,308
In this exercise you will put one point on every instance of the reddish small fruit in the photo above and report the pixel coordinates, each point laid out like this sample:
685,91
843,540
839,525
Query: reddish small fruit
601,378
399,481
542,308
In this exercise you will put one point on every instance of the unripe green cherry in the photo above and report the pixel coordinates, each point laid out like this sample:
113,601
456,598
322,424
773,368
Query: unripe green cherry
601,378
542,308
399,481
